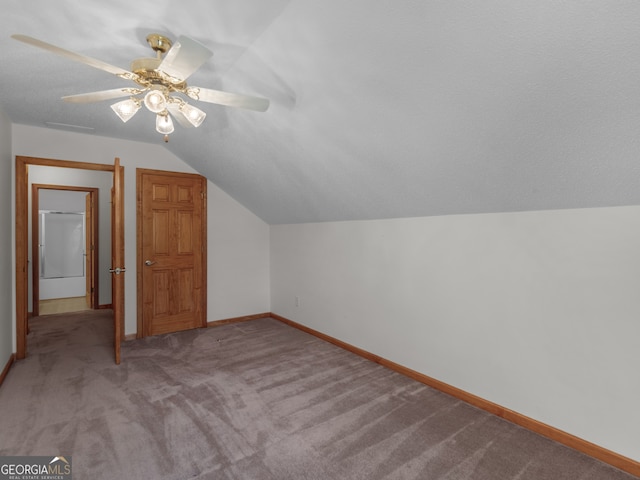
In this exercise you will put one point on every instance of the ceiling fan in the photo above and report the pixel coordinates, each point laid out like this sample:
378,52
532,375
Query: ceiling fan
161,83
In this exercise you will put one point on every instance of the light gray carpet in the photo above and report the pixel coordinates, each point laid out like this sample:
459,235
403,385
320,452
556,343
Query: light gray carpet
254,400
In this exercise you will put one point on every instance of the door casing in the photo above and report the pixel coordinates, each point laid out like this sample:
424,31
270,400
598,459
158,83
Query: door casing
22,237
92,238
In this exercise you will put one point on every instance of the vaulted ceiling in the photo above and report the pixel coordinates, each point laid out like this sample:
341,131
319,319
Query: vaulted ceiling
379,108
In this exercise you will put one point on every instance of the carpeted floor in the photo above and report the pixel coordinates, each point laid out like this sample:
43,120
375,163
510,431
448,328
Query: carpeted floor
253,400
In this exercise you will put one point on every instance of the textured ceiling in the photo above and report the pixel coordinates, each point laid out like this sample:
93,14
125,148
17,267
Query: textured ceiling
379,108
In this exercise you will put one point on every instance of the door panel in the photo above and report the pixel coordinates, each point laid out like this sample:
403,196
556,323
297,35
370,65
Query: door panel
160,225
88,250
117,256
172,236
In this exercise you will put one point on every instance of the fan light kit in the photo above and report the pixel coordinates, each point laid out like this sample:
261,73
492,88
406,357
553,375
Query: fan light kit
161,81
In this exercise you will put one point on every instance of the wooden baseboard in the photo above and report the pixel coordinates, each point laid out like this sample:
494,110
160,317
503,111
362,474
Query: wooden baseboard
226,321
5,370
612,458
105,307
217,323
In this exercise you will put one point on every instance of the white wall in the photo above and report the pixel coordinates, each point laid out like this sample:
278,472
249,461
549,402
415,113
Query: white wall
62,200
62,287
238,259
536,311
6,243
238,241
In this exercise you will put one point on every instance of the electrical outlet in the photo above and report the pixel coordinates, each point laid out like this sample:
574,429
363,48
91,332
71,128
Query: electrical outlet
297,301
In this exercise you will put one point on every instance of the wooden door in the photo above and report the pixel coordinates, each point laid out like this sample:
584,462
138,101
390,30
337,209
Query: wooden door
171,251
88,250
117,256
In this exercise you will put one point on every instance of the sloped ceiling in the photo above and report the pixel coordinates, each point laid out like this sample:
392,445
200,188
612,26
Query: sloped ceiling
379,108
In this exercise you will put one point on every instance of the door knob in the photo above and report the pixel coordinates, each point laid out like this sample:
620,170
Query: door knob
148,263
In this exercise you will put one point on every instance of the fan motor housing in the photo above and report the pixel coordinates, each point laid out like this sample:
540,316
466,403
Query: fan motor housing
148,73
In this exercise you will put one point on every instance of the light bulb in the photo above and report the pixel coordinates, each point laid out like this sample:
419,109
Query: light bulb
155,101
126,108
194,115
164,124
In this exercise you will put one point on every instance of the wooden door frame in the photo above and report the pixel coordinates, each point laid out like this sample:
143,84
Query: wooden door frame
35,254
139,242
22,235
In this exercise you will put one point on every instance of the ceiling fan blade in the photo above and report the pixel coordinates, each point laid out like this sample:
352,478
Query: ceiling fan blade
92,62
228,99
184,57
102,95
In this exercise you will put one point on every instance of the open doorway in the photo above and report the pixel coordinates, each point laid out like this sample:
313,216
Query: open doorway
115,217
65,255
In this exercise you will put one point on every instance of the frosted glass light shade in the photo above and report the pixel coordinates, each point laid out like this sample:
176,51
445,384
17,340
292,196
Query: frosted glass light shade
194,115
155,101
126,109
164,124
